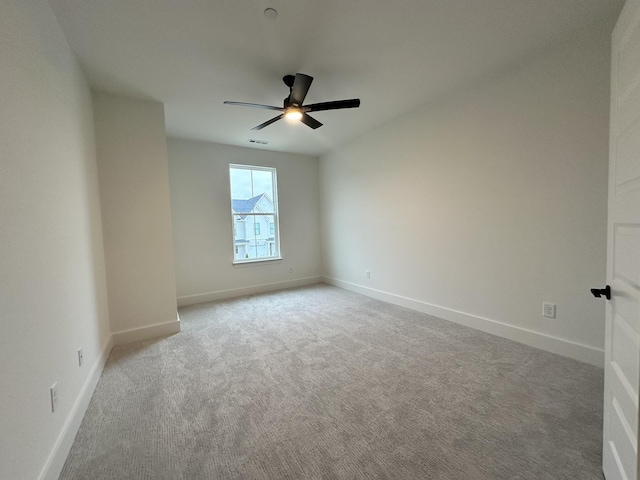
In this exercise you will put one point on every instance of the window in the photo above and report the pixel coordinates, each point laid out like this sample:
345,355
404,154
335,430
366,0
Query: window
254,204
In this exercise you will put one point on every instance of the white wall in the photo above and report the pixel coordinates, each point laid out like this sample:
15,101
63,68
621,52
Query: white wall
481,206
202,226
134,191
53,297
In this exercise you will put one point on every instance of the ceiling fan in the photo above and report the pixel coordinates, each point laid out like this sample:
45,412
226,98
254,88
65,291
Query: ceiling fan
293,108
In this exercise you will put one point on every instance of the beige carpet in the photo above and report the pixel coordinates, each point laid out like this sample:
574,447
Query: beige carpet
320,383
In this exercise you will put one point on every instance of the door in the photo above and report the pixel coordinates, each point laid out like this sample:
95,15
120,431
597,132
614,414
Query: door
622,340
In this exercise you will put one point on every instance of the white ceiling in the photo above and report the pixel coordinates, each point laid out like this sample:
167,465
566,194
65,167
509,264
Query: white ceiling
394,55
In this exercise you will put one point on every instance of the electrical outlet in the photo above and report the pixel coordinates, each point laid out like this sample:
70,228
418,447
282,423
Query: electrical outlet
53,391
80,357
290,269
367,274
549,310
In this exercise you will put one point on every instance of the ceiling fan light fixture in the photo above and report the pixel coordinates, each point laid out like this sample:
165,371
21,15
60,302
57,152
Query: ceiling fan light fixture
293,114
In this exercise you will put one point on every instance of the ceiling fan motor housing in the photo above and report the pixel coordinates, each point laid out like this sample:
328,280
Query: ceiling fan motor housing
288,80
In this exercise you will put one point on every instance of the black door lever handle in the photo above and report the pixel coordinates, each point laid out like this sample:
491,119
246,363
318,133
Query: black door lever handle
598,292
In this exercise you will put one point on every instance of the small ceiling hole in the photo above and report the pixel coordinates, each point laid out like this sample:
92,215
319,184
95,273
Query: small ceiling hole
271,13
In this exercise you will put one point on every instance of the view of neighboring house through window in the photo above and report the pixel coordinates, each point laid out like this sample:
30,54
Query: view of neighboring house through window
254,210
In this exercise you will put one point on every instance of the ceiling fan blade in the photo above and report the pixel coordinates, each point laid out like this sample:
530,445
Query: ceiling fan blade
300,88
255,105
310,121
268,122
335,105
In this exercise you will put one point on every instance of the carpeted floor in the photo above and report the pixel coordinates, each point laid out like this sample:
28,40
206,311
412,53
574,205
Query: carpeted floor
321,383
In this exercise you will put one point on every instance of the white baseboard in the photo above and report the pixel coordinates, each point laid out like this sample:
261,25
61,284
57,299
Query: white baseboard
566,348
146,333
55,463
241,292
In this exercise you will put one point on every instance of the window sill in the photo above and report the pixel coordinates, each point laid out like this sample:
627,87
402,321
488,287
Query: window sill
254,261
